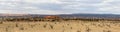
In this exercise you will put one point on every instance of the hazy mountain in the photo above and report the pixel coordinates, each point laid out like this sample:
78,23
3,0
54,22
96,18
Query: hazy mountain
65,15
92,15
83,15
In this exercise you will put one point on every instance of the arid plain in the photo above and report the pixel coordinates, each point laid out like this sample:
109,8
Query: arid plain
60,26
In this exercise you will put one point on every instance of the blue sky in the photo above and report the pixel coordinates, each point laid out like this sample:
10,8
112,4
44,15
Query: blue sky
59,6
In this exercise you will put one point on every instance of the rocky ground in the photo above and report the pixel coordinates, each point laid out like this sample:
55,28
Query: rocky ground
63,26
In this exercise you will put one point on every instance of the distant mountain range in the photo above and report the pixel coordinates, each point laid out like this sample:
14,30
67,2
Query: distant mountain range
65,15
83,15
93,15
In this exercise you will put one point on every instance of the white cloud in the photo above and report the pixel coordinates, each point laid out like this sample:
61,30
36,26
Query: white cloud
32,12
41,1
59,6
111,6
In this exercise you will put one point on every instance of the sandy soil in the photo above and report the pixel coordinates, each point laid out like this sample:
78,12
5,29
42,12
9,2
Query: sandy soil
64,26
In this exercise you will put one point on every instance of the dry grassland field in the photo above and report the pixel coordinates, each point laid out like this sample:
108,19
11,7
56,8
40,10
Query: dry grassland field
62,26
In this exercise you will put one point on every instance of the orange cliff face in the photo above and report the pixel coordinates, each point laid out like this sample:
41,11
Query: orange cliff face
52,17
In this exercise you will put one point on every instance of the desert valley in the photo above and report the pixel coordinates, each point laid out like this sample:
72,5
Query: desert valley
58,24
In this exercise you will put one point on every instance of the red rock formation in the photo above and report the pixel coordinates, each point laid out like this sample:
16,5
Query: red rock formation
52,17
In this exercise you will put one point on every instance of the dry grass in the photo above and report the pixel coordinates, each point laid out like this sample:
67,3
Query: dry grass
62,26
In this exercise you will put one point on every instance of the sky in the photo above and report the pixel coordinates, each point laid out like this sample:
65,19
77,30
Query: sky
59,6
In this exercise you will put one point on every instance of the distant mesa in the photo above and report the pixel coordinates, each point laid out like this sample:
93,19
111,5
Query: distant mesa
108,16
51,17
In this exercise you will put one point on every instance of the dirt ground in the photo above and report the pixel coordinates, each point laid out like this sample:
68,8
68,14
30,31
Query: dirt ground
63,26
